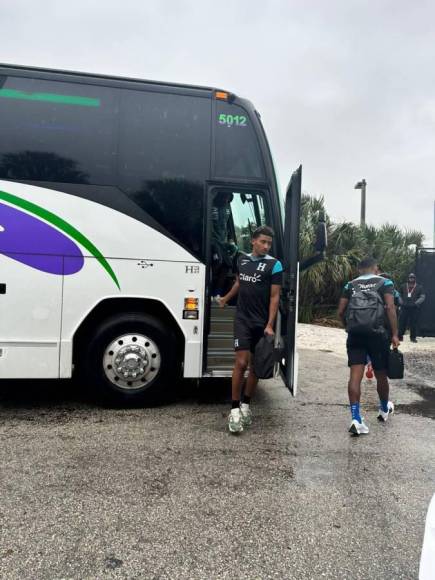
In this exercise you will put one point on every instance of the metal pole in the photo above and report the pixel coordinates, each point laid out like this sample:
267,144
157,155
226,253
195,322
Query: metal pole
362,186
363,203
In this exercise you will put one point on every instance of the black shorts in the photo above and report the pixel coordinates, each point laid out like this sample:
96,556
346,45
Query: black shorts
376,347
246,336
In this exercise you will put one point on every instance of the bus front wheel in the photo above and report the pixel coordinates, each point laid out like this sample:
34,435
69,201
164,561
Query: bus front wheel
131,358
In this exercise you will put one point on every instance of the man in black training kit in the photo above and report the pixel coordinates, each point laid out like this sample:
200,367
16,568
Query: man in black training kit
258,285
366,309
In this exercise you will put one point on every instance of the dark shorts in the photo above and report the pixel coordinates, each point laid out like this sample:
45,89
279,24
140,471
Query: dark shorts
246,336
376,347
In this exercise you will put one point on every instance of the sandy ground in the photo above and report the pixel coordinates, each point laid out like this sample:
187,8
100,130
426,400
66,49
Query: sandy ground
419,357
334,339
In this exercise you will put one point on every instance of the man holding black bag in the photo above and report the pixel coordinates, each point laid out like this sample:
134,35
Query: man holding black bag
366,308
258,286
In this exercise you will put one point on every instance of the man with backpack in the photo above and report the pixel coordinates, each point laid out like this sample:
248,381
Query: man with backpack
397,304
366,308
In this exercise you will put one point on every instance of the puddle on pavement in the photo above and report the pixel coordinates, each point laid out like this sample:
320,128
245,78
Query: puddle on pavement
423,408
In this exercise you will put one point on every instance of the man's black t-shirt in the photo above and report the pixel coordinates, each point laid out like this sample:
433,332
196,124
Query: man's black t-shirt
256,275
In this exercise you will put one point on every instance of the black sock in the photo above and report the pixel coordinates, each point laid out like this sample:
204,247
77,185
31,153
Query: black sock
235,404
246,399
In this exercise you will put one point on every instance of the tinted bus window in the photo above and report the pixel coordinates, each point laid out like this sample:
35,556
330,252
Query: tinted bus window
56,131
164,159
237,150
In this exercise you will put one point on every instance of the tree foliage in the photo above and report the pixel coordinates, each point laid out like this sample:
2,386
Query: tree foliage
348,243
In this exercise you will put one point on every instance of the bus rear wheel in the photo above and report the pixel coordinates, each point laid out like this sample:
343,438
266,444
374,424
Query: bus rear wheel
131,359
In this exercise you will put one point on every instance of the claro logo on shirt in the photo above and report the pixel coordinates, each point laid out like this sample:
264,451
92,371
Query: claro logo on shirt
255,278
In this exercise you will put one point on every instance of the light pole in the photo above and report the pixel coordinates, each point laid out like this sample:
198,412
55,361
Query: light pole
362,186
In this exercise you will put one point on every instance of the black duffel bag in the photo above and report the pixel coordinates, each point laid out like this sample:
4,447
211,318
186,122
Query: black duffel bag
264,357
396,364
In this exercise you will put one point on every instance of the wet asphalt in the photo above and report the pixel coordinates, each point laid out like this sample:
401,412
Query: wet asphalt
167,493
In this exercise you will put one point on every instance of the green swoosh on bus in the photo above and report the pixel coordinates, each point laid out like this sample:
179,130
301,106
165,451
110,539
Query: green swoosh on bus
61,224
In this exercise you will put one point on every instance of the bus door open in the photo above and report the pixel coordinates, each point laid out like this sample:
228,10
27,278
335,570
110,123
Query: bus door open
243,212
289,302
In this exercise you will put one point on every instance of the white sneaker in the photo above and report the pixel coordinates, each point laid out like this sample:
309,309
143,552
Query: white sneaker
382,416
235,421
357,428
246,413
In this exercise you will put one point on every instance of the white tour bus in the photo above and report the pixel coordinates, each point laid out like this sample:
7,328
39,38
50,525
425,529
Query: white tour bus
106,193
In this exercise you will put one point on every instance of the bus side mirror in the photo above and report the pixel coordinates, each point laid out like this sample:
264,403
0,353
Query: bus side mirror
321,236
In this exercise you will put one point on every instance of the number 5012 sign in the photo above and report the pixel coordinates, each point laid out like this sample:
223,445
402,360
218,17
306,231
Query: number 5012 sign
232,120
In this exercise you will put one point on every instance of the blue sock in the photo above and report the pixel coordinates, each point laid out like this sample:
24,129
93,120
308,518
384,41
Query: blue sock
384,405
354,409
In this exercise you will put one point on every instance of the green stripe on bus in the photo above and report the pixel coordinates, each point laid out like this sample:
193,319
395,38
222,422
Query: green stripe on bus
58,222
50,98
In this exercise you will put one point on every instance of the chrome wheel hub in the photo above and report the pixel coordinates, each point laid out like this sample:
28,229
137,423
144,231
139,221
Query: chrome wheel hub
131,361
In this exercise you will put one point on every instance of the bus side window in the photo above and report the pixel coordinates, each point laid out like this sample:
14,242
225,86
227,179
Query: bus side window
164,159
58,132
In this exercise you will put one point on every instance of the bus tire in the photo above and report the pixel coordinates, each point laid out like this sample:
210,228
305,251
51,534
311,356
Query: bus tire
131,359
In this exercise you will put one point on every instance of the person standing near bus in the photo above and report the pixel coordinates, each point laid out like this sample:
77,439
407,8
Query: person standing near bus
258,286
413,297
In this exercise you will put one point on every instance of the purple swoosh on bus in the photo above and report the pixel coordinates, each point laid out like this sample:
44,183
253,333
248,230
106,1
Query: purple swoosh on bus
33,242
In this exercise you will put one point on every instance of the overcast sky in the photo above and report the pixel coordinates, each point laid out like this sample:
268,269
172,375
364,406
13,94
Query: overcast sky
345,87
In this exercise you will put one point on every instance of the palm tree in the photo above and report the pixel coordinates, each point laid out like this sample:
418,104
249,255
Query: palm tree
321,285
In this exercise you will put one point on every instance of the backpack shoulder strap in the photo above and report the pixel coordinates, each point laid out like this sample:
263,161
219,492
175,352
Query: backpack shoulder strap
380,283
378,286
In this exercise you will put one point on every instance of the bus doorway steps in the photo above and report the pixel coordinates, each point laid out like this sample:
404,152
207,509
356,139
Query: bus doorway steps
220,354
